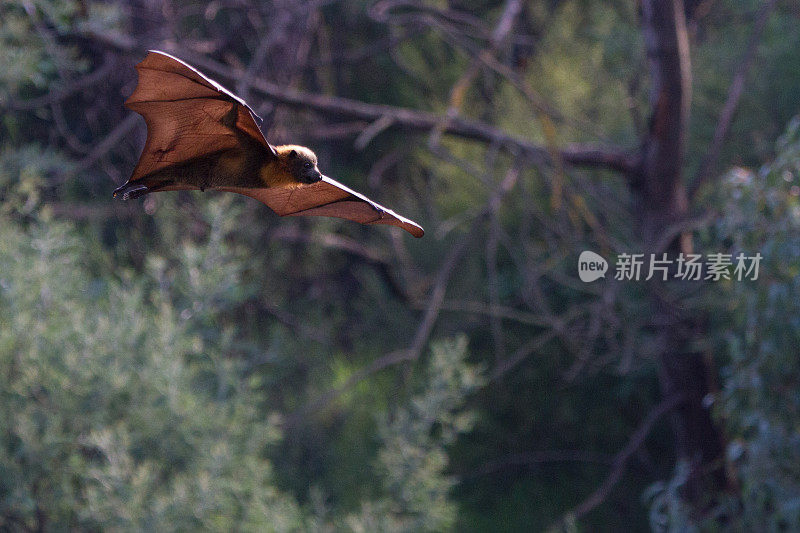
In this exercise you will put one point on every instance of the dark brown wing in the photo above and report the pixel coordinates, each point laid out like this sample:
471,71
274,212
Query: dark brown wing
327,198
188,115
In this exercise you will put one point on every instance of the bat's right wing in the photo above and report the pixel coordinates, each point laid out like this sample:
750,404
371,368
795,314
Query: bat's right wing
327,198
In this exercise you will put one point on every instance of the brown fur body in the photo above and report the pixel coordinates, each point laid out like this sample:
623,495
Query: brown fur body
249,167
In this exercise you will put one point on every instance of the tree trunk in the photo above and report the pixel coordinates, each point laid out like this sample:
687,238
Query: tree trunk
661,202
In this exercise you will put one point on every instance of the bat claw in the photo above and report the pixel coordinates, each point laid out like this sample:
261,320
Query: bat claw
130,191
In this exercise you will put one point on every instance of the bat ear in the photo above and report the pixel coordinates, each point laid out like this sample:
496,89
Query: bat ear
293,154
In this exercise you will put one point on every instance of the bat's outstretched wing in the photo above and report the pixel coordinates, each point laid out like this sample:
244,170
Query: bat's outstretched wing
188,116
327,198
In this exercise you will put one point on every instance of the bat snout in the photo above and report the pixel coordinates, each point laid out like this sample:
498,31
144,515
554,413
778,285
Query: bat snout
311,176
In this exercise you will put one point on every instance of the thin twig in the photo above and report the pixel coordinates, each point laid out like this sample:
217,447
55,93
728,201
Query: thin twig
501,312
296,324
328,397
734,94
522,353
535,458
621,460
332,241
492,250
504,26
59,94
372,256
103,147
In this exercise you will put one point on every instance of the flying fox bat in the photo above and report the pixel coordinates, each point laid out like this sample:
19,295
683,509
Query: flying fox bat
201,136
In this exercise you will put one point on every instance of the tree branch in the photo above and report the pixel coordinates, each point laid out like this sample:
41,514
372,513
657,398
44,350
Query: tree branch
514,461
369,255
600,156
422,121
59,94
103,147
621,460
614,158
664,29
735,91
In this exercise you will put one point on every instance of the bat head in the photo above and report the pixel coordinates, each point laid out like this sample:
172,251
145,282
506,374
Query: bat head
300,162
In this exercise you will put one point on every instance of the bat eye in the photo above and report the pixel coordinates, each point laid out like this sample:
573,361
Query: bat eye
307,165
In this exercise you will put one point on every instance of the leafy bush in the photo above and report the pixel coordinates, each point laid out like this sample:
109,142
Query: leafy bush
757,328
118,410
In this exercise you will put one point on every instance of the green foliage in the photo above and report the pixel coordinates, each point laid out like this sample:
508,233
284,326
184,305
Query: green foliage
31,57
757,329
760,326
412,461
24,61
668,511
23,173
122,408
103,425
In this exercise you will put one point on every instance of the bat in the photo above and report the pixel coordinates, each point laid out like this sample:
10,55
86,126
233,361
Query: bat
202,136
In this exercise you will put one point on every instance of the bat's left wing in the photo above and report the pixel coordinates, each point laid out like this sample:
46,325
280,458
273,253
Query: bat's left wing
327,198
188,116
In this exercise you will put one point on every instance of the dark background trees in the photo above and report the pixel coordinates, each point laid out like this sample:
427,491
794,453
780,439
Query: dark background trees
191,360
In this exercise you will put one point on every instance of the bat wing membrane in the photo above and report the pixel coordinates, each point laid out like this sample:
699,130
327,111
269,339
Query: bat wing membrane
327,198
188,115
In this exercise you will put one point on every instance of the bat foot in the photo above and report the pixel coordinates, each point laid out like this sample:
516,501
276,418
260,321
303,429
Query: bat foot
130,191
